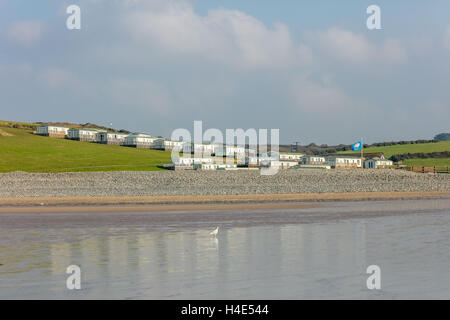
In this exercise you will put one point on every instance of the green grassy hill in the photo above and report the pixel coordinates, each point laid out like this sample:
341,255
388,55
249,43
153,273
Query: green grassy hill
407,148
24,151
412,148
20,150
438,162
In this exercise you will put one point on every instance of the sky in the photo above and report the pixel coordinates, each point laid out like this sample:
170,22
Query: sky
311,69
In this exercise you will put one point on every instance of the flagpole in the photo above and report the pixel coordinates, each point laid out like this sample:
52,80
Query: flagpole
362,153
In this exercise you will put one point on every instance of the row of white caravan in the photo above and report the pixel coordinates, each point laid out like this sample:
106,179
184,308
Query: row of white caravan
287,160
195,163
82,134
342,161
244,156
139,140
283,161
204,163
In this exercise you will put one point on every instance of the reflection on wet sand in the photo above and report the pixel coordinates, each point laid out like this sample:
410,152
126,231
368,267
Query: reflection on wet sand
273,257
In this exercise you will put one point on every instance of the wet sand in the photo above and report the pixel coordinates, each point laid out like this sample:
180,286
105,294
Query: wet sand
194,203
311,253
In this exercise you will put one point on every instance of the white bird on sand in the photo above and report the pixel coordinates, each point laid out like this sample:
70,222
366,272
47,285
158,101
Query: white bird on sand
214,232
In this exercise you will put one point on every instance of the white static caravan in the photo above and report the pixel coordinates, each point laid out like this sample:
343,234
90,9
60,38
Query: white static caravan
313,160
82,134
52,131
230,151
273,160
377,163
183,161
291,156
110,138
139,140
344,162
216,166
159,144
168,145
199,148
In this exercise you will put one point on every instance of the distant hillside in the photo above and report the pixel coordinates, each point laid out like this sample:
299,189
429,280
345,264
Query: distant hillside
423,154
389,151
417,152
442,137
444,162
18,125
85,125
21,150
32,126
313,149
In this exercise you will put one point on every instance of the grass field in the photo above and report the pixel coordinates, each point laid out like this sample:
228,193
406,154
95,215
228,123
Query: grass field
412,148
406,148
21,150
428,162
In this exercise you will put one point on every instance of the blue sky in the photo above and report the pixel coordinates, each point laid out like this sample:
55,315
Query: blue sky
309,68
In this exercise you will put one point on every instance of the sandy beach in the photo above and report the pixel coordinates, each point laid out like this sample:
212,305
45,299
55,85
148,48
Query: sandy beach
195,203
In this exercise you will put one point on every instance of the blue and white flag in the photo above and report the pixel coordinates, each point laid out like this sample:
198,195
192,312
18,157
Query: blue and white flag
357,146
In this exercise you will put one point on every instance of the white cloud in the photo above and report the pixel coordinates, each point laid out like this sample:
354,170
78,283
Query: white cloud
353,48
158,64
228,36
345,45
26,33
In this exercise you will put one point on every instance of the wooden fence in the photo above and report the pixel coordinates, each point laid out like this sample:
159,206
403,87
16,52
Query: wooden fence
434,169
